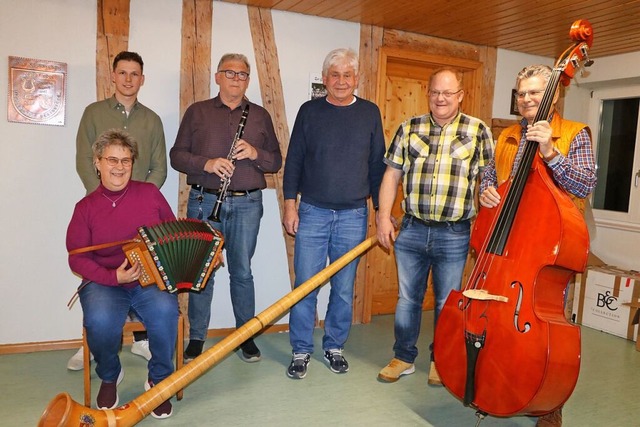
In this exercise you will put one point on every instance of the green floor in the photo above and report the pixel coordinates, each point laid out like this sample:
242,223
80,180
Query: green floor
235,393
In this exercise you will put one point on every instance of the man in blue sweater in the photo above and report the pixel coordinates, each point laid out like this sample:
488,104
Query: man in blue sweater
334,163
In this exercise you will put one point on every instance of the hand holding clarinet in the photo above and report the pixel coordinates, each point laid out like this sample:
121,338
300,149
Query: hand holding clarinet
224,168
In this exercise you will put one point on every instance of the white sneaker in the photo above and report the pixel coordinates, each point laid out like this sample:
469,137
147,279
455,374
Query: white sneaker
141,348
76,362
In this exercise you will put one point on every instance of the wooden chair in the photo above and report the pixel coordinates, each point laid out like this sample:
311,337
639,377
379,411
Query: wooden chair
129,327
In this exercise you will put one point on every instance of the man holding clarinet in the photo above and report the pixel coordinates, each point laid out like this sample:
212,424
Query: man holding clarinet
225,148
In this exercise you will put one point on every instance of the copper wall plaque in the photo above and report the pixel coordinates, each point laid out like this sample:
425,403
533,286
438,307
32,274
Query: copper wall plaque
37,91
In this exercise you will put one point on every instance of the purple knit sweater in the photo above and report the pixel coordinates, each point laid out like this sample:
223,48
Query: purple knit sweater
96,221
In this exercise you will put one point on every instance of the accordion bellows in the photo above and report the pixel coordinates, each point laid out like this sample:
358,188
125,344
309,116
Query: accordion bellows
178,254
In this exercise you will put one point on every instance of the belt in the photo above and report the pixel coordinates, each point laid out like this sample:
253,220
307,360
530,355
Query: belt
435,224
230,193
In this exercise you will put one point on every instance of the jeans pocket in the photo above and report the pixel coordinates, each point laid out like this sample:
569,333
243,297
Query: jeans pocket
362,212
256,196
304,207
461,227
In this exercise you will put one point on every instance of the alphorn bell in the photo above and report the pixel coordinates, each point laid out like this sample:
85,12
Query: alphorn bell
64,411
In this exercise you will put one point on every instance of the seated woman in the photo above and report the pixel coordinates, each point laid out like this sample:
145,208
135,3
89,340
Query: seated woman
110,287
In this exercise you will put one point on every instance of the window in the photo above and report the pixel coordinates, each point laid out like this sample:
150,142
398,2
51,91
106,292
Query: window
615,126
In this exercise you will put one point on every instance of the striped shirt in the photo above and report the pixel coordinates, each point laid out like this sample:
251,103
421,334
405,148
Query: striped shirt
440,165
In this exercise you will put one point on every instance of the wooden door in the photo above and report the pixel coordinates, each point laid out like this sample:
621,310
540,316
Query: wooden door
403,81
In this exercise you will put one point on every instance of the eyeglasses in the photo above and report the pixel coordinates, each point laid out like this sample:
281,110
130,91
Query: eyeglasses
230,74
447,93
531,93
113,161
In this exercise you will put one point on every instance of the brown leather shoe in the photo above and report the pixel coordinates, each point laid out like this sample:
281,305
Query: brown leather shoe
395,369
434,377
552,419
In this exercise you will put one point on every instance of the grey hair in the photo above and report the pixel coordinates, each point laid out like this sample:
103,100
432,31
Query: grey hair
542,71
340,55
234,57
115,137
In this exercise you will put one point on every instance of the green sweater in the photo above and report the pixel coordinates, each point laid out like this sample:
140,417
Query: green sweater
142,124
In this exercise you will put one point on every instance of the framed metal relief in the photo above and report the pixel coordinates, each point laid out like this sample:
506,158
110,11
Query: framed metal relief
37,91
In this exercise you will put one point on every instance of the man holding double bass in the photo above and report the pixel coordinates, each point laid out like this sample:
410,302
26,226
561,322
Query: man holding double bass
565,147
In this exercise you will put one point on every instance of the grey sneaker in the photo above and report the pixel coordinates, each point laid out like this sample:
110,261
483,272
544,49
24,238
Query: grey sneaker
337,362
298,367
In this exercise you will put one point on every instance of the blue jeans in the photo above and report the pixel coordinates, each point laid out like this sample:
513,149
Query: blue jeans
325,233
105,310
419,248
239,224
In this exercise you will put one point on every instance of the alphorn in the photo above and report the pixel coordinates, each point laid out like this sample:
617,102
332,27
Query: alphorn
64,411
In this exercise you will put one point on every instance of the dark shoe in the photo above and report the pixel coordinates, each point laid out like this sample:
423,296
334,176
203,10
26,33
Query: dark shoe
552,419
298,367
194,349
249,352
165,410
108,394
337,362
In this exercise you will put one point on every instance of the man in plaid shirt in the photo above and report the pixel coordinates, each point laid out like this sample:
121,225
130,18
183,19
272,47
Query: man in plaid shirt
438,156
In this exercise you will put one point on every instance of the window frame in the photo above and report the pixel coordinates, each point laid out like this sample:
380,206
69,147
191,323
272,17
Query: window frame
630,220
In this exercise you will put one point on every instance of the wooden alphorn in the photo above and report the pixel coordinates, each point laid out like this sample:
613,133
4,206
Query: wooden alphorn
64,411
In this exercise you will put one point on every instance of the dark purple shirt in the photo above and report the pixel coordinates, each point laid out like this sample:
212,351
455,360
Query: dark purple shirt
207,131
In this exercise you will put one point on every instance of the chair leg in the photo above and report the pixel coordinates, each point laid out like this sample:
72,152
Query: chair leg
86,369
180,351
86,362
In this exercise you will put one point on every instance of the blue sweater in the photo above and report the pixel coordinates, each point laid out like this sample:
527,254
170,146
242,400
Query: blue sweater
335,155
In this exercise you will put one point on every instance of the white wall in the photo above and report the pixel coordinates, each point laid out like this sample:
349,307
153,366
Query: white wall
38,182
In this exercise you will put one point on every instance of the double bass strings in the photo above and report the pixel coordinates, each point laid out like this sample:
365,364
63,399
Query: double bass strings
501,223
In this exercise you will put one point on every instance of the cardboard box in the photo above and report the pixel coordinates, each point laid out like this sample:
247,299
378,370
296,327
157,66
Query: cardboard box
603,300
593,260
635,313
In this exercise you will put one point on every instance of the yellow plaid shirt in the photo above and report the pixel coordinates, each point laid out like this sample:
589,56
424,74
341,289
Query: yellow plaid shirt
440,165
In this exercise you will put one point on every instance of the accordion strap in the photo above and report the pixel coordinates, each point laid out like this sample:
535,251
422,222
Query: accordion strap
101,246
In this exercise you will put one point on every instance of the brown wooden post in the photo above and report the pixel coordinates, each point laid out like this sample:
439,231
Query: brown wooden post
112,37
268,67
370,43
195,84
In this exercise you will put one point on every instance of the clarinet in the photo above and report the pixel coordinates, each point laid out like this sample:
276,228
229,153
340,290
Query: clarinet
224,182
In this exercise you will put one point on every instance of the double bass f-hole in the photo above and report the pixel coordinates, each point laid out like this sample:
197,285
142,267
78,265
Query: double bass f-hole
516,312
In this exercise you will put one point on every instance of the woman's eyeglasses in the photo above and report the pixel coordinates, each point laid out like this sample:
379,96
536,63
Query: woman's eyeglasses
113,161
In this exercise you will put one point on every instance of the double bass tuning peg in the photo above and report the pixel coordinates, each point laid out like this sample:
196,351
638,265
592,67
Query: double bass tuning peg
587,62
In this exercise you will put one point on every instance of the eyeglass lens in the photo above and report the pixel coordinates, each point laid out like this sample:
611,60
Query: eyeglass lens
446,94
230,74
113,161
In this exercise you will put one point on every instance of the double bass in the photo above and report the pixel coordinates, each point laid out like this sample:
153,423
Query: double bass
502,343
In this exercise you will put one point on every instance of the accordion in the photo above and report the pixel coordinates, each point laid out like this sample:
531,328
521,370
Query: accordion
178,254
